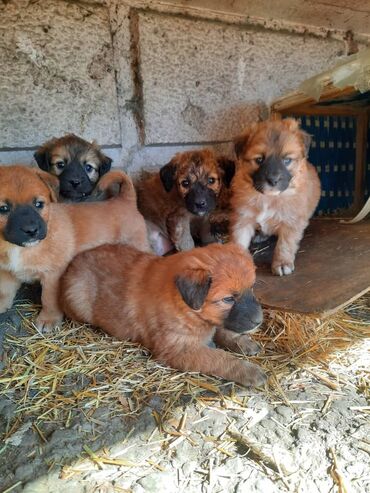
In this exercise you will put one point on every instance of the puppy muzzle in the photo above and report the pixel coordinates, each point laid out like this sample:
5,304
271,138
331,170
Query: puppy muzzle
200,200
272,177
25,227
74,182
246,315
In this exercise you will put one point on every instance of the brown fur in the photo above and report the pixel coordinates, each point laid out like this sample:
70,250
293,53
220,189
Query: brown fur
71,228
285,214
167,210
134,295
57,154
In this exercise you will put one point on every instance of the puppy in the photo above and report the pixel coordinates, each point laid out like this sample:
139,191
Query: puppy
275,190
77,163
38,237
171,305
187,188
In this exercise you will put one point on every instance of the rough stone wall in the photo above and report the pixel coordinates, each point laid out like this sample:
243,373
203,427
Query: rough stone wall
147,79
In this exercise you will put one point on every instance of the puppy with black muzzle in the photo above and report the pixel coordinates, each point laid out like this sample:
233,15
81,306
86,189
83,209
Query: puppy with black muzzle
78,164
275,190
173,305
185,190
38,237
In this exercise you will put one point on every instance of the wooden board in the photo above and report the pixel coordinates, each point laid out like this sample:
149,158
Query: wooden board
332,269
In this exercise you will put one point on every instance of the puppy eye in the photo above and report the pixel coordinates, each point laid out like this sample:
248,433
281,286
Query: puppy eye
259,160
4,209
229,300
211,180
88,168
185,183
59,164
287,161
39,204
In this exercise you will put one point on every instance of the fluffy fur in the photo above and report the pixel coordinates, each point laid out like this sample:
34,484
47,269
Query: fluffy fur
171,305
184,192
38,237
275,189
78,164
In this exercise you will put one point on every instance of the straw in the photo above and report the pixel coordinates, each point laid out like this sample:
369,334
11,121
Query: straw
53,378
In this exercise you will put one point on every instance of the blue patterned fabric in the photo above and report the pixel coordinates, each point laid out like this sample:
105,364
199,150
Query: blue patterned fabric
333,152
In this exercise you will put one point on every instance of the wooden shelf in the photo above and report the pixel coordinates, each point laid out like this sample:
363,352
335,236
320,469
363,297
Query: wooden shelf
332,269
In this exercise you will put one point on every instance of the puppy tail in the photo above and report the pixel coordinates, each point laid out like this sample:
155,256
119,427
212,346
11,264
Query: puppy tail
109,182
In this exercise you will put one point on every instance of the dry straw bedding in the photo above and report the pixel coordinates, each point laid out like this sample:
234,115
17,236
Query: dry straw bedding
53,377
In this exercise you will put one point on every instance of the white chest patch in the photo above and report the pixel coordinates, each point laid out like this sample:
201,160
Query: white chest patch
15,260
264,215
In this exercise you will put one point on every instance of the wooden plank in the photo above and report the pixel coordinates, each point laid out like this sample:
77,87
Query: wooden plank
332,269
299,98
332,110
361,141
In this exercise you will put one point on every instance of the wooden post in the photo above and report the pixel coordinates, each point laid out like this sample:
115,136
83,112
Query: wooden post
361,140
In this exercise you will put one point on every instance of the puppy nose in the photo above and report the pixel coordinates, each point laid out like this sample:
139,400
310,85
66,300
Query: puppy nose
201,204
273,180
31,230
74,183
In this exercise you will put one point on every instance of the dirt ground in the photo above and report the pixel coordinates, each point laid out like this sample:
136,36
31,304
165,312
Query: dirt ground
308,431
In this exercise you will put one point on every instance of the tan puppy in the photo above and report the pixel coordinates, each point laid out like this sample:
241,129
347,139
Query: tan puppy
171,305
275,189
78,164
189,187
38,238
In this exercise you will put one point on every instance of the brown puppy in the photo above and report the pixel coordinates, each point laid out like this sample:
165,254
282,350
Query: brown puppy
188,187
275,189
78,164
171,305
38,238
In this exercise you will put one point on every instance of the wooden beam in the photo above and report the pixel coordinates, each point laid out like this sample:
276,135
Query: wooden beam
332,110
361,140
300,98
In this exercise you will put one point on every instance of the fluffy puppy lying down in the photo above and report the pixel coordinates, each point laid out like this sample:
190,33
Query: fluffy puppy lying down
172,305
38,238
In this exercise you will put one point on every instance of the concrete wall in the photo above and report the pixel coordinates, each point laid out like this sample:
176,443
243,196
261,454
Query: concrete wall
149,78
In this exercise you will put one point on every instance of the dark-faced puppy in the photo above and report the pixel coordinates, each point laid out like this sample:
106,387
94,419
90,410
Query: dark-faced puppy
275,190
39,237
188,187
172,305
77,163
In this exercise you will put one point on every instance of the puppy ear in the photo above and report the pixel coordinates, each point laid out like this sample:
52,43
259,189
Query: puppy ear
228,167
291,123
193,286
42,158
105,166
306,139
239,144
51,181
167,175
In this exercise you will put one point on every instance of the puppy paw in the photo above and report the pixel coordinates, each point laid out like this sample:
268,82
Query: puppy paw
184,244
282,269
252,376
248,346
46,323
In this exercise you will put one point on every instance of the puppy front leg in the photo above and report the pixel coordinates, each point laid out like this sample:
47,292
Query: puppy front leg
50,315
178,227
239,343
218,363
242,233
9,285
286,249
